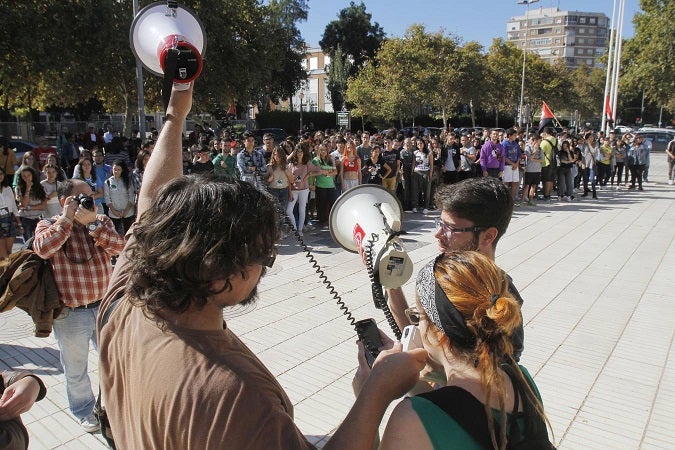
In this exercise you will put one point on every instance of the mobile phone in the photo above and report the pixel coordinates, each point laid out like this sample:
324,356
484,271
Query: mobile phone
410,338
368,333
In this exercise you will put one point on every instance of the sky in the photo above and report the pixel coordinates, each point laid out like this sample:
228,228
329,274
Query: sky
477,20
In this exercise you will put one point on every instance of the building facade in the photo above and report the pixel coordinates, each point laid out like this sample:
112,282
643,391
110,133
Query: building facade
315,95
578,38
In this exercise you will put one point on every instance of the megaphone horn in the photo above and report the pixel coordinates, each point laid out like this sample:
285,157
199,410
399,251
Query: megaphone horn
366,213
161,29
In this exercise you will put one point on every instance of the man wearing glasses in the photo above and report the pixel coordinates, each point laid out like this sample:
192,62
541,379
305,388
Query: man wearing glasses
475,214
268,146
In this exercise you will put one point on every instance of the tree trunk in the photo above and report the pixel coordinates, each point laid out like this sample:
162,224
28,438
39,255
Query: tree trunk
445,120
496,117
473,114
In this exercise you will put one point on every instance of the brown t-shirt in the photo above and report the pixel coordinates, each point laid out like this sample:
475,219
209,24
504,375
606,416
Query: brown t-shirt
184,389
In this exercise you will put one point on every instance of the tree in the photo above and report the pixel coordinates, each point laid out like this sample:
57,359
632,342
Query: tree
471,84
503,68
338,72
649,57
355,34
588,86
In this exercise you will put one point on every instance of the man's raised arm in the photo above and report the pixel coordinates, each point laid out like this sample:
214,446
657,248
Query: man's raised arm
166,161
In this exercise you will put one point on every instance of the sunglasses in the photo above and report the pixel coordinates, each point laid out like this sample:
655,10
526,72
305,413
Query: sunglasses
413,315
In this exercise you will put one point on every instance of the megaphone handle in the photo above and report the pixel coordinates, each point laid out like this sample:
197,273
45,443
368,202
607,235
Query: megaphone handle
170,62
379,298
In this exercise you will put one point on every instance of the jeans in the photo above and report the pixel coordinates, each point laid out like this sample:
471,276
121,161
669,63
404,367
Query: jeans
603,173
73,330
325,197
301,198
29,226
420,184
671,169
565,182
589,174
281,195
618,172
636,172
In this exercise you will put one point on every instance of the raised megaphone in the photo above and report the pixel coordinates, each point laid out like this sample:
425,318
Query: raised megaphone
169,38
368,214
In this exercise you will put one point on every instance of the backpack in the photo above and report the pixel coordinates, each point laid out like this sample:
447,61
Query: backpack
469,413
555,162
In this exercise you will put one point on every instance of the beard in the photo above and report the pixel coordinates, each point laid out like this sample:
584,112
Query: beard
250,298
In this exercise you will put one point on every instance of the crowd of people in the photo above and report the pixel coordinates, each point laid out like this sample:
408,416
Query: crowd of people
177,272
309,173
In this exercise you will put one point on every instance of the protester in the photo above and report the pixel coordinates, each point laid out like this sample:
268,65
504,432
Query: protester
120,196
10,222
31,199
206,389
466,318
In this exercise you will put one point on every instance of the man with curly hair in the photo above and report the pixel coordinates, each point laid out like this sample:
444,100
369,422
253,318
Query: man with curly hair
173,375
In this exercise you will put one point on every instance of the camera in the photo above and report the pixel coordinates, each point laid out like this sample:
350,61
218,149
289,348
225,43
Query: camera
85,201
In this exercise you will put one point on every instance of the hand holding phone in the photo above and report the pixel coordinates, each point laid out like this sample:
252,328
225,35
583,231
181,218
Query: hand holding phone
368,333
410,338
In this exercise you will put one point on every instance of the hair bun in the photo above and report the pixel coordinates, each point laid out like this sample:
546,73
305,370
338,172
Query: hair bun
505,312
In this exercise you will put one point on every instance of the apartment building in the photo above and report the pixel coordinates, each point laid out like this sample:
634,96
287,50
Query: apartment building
315,95
576,37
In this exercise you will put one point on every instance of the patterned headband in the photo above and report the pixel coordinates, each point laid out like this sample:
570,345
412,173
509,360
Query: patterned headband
440,310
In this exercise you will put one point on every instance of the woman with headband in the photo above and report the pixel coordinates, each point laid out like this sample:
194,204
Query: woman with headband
465,316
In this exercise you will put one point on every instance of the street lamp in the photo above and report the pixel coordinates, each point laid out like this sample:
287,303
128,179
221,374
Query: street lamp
302,95
522,81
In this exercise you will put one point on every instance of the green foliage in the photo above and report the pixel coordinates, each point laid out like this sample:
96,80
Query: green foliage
338,73
61,53
290,120
355,34
649,57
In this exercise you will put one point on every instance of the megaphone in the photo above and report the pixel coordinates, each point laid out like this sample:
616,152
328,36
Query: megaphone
368,217
165,30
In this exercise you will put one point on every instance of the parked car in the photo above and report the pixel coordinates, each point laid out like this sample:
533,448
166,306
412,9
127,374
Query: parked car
433,131
657,140
622,129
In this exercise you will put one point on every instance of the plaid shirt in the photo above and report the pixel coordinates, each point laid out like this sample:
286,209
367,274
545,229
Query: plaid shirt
81,260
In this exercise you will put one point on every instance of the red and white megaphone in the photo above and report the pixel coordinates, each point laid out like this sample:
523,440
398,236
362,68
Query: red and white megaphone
166,34
368,215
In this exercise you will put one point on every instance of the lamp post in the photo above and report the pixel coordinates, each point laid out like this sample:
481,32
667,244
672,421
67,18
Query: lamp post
302,96
527,4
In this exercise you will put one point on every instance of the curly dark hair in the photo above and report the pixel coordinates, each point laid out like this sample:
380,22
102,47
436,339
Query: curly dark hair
200,228
37,191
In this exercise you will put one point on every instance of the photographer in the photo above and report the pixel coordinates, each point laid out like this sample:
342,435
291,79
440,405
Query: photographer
78,244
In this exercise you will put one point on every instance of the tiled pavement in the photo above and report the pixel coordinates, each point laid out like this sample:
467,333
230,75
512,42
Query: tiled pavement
597,279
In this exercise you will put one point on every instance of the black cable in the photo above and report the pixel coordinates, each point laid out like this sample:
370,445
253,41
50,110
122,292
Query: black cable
378,296
322,276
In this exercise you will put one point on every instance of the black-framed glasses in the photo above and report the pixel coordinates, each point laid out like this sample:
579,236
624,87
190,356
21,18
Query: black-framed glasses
452,230
413,315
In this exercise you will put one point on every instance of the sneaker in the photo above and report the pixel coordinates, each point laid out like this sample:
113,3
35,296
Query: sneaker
516,203
90,423
566,198
425,211
300,233
530,203
414,210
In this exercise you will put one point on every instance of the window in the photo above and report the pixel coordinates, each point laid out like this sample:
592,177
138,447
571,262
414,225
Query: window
591,41
542,41
326,61
590,51
558,20
589,62
582,30
592,20
582,20
557,31
581,41
544,31
571,19
557,41
313,63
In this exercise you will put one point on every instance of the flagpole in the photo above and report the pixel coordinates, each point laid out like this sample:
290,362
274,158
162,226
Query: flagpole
617,57
609,68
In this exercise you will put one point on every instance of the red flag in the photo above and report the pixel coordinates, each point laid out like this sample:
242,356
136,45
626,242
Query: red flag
233,110
546,118
608,109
